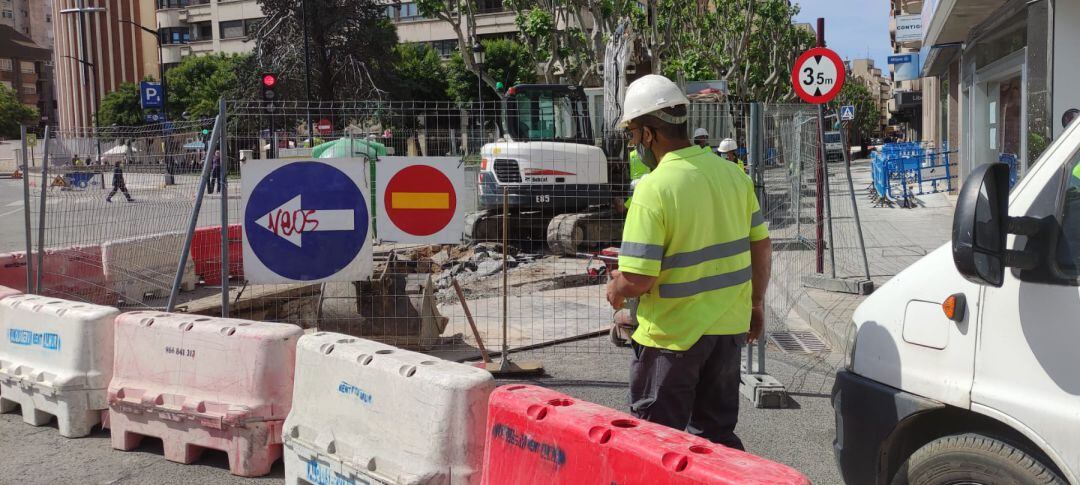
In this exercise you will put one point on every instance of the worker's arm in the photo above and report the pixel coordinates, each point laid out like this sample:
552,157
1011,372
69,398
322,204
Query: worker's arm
627,285
761,267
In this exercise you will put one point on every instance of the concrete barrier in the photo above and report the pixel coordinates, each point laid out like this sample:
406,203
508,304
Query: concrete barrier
366,412
138,266
536,435
200,382
56,359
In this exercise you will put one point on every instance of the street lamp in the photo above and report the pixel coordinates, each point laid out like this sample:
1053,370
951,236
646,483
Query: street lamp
478,59
161,63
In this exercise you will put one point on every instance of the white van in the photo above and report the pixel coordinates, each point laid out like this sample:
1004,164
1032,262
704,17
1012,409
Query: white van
965,367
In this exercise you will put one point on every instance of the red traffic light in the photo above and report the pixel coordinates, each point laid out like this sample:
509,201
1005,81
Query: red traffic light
269,80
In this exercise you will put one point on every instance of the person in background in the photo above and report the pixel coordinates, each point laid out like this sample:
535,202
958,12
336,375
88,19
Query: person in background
215,173
728,149
701,138
118,184
1070,115
696,251
75,160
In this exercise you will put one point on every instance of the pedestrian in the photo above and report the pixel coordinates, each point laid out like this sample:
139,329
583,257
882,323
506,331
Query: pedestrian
728,149
701,138
215,172
118,184
696,253
75,161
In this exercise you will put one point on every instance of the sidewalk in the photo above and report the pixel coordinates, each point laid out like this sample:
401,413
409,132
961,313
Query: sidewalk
895,238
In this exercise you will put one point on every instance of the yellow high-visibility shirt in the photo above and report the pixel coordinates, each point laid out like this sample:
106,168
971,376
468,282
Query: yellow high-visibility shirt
691,226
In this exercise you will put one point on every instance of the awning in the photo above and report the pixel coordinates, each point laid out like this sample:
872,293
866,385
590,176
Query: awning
936,58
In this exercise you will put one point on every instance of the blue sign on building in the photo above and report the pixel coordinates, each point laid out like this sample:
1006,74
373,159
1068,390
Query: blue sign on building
306,221
150,95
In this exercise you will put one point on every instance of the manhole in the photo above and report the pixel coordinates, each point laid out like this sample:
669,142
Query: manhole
798,342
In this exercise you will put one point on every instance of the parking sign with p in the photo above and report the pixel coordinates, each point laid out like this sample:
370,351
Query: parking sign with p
150,95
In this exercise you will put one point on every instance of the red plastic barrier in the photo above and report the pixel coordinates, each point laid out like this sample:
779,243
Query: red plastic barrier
535,435
201,382
73,273
206,253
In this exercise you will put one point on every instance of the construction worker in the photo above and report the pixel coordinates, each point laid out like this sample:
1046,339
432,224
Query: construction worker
696,252
728,149
701,138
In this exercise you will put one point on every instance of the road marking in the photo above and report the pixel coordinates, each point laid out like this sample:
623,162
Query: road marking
8,213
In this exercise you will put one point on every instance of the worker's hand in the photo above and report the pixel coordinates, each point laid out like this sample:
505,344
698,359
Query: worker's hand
757,323
613,297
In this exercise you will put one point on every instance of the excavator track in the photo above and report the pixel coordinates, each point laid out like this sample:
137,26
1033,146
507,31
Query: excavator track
487,225
568,233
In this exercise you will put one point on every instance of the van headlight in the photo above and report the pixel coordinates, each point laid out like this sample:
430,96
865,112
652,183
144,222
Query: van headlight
849,350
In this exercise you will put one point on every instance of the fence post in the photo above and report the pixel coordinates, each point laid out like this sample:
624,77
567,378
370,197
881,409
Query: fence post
223,182
26,210
854,203
193,220
41,211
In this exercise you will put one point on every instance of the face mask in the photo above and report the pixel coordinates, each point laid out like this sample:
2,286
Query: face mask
648,158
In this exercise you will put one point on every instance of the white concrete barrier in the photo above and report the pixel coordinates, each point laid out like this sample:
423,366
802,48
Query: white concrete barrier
365,411
135,267
56,359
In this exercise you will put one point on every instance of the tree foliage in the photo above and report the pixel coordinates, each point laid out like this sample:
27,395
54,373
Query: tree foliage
121,107
420,73
198,82
351,47
13,113
506,61
867,114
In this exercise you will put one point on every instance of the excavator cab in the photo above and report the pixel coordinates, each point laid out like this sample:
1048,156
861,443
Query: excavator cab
547,112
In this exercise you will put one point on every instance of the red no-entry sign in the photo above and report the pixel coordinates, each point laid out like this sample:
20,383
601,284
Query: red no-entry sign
420,200
324,127
818,75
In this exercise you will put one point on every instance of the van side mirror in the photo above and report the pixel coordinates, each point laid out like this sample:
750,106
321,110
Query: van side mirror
980,225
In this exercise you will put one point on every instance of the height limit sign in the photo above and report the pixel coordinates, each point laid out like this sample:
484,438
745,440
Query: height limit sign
818,75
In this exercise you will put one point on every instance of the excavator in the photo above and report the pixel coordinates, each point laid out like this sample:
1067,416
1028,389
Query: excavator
548,175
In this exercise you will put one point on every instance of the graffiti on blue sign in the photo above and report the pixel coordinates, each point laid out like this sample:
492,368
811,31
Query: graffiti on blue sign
351,390
320,474
47,341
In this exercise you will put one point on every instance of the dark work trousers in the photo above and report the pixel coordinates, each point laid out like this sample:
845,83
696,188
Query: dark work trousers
118,184
696,390
215,179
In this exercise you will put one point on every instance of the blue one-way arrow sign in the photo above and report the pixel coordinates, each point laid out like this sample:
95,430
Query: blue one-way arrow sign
306,221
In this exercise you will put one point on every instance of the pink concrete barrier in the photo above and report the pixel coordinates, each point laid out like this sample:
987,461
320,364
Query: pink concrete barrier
200,382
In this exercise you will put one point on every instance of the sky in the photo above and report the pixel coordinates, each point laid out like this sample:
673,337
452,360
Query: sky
853,28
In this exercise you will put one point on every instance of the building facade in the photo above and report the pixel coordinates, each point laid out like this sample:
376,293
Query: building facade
905,107
864,72
95,52
32,19
192,27
990,69
22,66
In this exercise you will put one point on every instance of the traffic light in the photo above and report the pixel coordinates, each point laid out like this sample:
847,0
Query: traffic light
269,83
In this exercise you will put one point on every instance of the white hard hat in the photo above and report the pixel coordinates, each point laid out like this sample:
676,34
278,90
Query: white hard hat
701,132
728,145
650,94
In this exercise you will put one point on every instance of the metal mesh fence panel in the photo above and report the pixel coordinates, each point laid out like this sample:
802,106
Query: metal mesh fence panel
545,195
110,210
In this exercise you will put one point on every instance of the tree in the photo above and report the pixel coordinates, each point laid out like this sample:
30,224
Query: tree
13,113
867,113
420,74
351,47
507,62
198,82
121,107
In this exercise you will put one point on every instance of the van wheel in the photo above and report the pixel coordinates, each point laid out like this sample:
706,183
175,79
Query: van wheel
971,458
